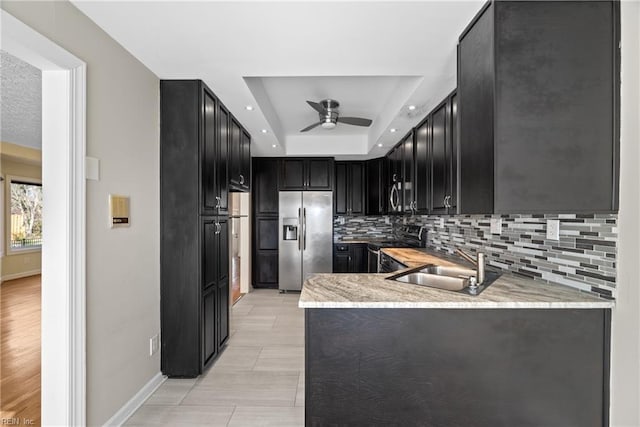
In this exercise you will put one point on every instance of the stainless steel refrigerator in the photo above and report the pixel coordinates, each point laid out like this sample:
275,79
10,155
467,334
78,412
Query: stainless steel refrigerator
306,236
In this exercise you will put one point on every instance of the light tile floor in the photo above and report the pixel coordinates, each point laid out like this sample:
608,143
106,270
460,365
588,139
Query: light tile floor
258,380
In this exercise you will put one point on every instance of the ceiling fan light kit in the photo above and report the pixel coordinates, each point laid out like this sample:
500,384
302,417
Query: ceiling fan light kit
330,116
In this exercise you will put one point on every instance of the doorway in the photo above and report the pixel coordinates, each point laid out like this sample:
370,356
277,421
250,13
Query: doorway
240,248
63,218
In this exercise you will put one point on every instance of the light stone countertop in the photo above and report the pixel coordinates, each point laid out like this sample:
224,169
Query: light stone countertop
364,290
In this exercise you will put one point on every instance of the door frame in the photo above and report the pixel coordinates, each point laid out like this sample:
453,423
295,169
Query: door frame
63,339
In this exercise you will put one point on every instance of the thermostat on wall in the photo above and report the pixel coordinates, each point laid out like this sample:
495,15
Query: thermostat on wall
118,211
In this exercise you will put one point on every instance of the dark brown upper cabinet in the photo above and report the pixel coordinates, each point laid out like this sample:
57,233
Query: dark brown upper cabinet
395,179
425,164
443,157
453,164
376,186
400,177
538,87
306,174
210,150
265,186
222,161
245,161
422,167
239,158
407,173
349,189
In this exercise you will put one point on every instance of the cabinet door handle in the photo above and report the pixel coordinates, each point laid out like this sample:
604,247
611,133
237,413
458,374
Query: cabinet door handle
217,228
394,178
218,201
241,179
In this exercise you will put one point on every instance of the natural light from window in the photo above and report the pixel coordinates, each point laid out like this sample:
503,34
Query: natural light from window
26,215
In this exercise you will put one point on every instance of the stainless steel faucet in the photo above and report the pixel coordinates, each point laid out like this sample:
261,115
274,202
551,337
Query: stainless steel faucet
478,262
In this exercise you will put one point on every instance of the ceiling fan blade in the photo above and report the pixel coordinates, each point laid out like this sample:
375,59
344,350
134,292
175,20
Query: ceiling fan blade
357,121
310,127
319,108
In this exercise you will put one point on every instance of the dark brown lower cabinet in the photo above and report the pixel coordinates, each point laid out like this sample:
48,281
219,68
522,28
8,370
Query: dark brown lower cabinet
350,258
195,302
457,367
209,315
223,313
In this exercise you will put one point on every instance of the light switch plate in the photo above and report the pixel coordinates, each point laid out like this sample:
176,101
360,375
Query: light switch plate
92,168
496,225
553,229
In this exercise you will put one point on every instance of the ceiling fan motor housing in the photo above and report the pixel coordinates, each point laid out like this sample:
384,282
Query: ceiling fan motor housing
330,119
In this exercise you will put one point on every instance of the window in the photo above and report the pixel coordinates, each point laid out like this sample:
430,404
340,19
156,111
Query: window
26,215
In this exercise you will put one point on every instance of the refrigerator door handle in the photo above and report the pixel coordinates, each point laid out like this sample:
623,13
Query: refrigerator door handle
304,229
299,231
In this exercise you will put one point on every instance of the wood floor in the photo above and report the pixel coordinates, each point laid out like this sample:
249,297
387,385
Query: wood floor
258,380
20,351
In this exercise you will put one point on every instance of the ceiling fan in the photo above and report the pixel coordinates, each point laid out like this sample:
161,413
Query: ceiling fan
330,116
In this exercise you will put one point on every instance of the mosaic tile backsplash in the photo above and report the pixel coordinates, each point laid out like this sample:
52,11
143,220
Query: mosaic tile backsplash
362,227
583,258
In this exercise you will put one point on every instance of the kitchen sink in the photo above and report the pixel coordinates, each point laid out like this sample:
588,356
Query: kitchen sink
455,279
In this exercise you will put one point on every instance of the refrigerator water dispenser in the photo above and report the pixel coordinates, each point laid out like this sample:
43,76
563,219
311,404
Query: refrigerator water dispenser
290,229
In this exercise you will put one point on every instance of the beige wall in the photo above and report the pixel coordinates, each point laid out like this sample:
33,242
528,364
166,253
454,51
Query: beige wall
123,272
625,357
17,264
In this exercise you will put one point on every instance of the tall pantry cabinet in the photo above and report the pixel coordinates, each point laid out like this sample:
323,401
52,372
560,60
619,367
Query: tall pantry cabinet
194,270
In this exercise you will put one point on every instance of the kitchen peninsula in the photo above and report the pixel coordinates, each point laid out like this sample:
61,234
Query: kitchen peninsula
380,352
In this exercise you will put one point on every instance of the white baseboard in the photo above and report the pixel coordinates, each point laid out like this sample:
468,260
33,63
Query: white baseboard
20,275
136,401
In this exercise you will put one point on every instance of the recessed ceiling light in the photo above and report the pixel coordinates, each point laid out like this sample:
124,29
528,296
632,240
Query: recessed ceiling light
412,107
249,108
379,145
274,145
264,131
393,130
